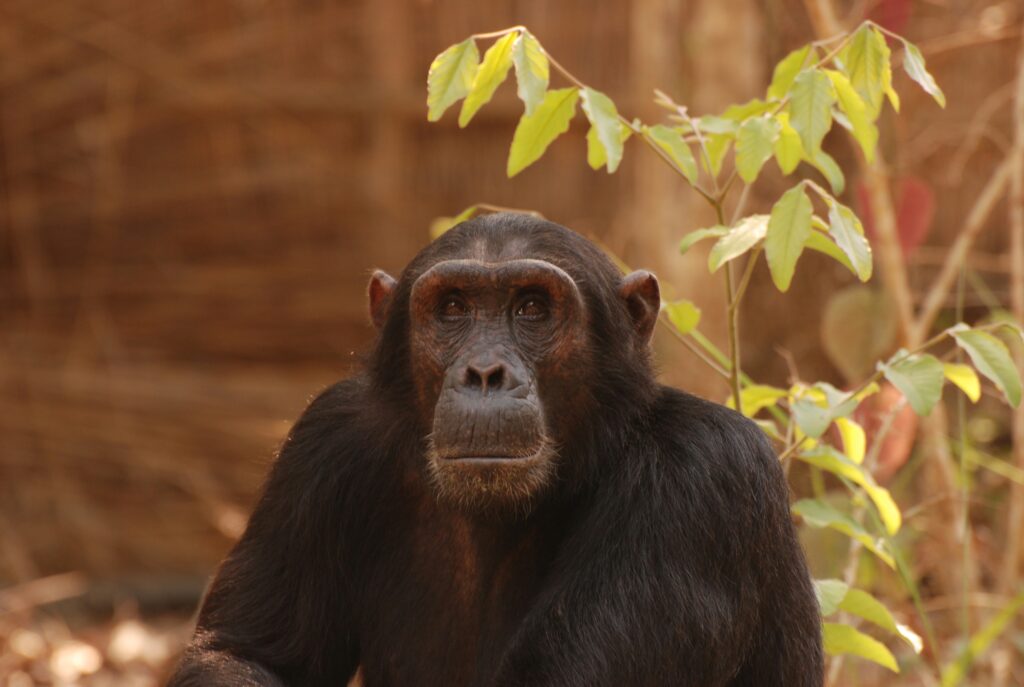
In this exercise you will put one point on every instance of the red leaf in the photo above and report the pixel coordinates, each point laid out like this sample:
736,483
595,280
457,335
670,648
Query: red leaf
915,210
891,14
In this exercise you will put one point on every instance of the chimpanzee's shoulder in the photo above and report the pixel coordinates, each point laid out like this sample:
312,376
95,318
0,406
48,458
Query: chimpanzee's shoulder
689,425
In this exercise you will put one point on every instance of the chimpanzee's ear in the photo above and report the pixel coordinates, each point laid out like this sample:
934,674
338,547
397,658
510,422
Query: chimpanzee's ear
643,300
382,285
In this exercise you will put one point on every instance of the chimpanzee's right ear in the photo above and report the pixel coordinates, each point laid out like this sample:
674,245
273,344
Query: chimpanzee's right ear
382,285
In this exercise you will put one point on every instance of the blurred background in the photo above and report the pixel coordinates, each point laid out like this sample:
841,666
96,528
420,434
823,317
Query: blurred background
193,195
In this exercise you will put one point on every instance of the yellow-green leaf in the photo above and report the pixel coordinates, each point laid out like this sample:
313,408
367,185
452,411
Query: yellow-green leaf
913,64
741,238
754,143
492,73
819,514
992,359
672,144
786,70
536,131
866,62
532,70
684,315
450,77
824,163
717,146
699,235
817,241
789,227
830,594
854,440
919,377
443,224
604,119
965,378
831,460
863,605
788,148
848,233
757,397
810,107
864,130
596,156
843,639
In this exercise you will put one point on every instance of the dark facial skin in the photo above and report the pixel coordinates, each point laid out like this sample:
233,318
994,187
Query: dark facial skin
490,340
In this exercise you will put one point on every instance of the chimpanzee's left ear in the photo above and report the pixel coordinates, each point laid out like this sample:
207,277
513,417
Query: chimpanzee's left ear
382,285
643,300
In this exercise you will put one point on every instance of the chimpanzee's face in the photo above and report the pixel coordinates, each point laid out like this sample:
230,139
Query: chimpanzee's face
490,341
501,357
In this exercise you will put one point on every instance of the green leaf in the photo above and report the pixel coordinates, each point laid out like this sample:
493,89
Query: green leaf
492,73
828,167
603,116
820,514
913,64
536,131
965,378
786,71
443,224
864,130
919,377
848,233
450,77
532,70
866,62
817,241
754,144
992,359
810,107
789,227
684,315
741,238
830,594
843,639
788,148
671,142
954,673
811,417
699,235
596,156
863,605
831,460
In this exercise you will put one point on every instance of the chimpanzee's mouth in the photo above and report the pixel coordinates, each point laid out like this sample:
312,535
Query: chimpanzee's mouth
490,459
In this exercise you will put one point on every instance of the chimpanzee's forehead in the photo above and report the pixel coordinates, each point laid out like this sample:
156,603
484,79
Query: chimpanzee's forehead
506,237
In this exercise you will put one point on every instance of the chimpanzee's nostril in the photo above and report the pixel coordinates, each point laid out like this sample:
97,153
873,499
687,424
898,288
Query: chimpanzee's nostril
485,379
473,379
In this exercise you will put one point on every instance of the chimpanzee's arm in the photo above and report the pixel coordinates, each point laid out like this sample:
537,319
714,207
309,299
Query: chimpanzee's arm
278,611
687,574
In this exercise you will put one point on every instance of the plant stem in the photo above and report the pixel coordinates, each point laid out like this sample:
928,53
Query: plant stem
704,357
733,315
638,130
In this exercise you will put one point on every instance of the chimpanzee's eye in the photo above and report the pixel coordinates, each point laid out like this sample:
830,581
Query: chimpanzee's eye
532,308
453,308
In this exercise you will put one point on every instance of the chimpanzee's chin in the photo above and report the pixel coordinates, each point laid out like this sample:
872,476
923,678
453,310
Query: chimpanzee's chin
508,485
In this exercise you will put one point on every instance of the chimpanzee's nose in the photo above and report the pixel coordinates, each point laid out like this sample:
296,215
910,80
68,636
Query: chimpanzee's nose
485,377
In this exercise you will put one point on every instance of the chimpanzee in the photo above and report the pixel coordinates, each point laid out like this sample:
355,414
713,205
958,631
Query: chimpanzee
506,496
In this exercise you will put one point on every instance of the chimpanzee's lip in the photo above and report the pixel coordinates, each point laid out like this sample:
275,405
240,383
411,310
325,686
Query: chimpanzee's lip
478,459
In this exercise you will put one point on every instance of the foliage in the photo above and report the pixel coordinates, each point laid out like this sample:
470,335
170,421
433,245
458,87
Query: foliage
845,80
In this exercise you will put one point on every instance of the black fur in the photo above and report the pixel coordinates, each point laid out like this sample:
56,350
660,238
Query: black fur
664,555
